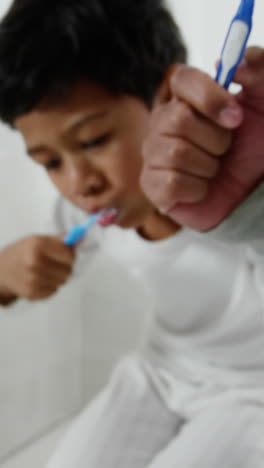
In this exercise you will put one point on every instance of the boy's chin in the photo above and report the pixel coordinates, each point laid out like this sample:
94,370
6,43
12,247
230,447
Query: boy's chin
125,223
130,221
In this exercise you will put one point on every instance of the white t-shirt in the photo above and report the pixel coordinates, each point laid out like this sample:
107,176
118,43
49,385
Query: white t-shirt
205,337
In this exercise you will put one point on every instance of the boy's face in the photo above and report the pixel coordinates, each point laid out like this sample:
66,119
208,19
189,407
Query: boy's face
90,144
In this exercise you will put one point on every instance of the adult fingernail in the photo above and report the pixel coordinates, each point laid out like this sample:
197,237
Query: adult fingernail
231,117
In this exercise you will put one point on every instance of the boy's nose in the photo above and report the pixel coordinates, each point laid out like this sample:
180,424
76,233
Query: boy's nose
94,188
85,183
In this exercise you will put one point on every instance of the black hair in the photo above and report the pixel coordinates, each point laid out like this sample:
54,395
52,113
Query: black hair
47,45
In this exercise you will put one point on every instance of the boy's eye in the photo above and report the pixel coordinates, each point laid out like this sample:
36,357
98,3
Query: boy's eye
96,142
53,163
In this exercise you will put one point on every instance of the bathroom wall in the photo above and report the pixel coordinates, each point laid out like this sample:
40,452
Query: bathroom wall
204,24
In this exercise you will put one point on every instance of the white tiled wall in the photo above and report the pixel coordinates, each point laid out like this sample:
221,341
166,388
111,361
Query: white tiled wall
41,367
37,453
55,355
204,24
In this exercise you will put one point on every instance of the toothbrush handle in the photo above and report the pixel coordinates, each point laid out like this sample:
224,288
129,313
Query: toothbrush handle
75,235
78,232
233,52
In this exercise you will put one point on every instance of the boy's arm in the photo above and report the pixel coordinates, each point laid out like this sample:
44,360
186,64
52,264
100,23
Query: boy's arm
36,267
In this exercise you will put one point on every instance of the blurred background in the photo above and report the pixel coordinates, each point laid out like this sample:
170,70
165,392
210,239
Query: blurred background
55,355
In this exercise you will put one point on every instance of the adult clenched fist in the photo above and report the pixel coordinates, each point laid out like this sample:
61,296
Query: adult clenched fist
204,151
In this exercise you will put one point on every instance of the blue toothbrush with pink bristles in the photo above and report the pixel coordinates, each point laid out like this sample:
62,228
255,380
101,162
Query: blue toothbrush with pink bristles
78,232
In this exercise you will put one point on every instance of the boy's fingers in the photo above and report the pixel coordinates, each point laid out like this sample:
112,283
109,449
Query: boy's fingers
36,284
42,292
55,249
207,97
53,279
61,237
55,270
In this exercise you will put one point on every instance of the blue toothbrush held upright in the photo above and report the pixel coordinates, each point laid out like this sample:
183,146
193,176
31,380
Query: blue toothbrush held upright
235,43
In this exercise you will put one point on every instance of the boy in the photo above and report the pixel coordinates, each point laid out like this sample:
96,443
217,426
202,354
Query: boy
78,80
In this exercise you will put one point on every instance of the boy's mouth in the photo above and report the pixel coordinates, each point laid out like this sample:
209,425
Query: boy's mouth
108,217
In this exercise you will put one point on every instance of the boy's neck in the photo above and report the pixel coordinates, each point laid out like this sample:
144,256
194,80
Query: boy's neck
158,227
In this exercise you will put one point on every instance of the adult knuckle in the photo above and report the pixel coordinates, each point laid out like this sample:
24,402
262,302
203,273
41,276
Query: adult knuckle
181,118
144,179
181,152
172,153
172,184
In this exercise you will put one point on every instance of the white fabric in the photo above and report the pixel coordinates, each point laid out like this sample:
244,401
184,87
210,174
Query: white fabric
203,348
127,426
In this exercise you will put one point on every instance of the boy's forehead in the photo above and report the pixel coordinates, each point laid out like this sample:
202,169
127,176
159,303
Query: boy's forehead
83,104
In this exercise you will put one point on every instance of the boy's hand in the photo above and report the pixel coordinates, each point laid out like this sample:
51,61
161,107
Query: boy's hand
190,132
34,268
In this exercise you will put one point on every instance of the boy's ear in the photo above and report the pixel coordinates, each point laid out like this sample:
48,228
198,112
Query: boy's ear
164,93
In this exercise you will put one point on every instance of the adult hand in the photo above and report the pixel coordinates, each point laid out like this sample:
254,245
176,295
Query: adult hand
197,168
